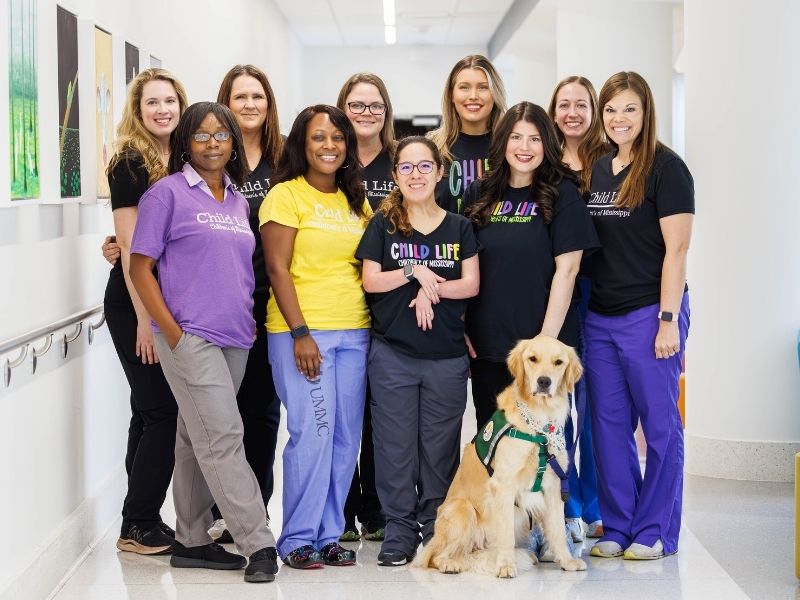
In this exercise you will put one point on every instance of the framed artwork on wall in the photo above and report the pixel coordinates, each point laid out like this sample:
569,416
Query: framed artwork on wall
131,62
23,100
69,147
104,96
155,62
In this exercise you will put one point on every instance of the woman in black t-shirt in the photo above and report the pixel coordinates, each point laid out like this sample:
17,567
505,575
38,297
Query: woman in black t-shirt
153,106
642,203
420,265
365,100
473,101
533,228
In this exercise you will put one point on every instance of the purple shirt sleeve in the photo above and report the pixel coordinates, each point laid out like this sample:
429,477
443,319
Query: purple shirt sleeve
153,222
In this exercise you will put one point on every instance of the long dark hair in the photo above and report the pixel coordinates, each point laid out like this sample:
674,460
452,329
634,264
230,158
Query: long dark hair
293,161
546,177
392,206
271,140
190,121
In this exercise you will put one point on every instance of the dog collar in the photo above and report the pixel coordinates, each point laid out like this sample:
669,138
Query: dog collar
549,428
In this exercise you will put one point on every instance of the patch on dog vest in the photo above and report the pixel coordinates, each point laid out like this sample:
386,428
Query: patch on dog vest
486,440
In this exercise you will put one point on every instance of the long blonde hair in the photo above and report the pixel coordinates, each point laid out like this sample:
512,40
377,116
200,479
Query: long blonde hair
132,136
445,136
594,144
643,151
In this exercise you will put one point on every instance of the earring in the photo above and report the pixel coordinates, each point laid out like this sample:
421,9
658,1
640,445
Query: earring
183,157
344,166
233,157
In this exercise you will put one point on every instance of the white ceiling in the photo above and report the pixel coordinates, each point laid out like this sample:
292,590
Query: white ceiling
419,22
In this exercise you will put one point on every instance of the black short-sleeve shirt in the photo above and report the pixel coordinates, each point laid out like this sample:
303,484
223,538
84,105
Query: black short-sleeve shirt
517,263
626,275
127,181
378,180
469,163
254,190
443,250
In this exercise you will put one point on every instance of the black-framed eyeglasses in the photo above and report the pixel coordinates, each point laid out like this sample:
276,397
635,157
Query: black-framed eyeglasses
220,136
376,108
424,167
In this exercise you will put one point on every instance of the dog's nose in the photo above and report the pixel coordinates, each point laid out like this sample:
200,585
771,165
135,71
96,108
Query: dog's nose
544,382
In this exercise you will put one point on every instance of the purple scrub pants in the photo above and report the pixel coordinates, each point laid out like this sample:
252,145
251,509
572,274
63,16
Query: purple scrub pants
626,384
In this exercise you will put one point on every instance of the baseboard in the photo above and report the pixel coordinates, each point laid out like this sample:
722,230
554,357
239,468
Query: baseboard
70,543
745,460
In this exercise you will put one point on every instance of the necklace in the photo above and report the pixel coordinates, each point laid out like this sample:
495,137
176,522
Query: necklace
549,428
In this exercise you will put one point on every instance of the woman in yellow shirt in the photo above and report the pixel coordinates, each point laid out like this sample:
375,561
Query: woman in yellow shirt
318,328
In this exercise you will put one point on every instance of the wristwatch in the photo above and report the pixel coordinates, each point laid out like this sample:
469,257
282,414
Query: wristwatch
408,271
299,331
668,316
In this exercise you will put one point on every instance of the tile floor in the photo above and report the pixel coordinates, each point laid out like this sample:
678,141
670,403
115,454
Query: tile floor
737,542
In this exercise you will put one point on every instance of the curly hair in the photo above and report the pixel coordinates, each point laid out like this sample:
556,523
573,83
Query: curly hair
132,136
594,144
392,206
236,168
546,177
445,136
293,161
271,140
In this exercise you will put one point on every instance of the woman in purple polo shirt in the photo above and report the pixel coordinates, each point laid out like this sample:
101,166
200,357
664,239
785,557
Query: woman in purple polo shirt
194,225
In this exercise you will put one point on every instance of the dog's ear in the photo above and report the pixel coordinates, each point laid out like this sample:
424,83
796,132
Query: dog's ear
515,362
573,371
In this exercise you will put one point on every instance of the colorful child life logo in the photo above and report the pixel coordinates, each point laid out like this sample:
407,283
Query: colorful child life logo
523,209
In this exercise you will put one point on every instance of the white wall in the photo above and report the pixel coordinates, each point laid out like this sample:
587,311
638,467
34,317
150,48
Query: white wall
64,431
415,77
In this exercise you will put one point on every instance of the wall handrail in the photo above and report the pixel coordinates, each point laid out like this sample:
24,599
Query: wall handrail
23,342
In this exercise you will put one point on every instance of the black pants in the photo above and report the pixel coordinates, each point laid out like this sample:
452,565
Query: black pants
150,456
260,409
362,499
488,379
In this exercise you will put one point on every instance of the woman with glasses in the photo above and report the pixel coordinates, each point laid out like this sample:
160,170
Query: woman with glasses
365,101
154,104
245,89
194,225
474,99
420,265
318,328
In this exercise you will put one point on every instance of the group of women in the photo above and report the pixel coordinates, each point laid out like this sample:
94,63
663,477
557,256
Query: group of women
343,265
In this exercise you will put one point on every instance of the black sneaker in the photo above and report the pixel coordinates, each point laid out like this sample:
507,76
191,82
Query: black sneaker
336,556
304,557
167,529
145,541
210,556
394,558
262,566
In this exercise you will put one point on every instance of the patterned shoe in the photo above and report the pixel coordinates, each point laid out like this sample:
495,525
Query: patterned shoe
145,541
304,557
595,529
350,534
575,529
376,535
336,556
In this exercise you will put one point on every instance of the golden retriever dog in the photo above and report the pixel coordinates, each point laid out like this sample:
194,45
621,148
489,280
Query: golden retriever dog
484,518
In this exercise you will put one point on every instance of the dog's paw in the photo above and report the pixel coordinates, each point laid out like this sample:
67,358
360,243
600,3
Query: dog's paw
573,564
507,571
449,567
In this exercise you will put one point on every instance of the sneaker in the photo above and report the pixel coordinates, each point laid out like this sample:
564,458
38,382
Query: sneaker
394,558
210,556
607,549
641,552
595,529
304,557
350,534
375,535
336,556
167,529
262,566
219,532
574,529
145,541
